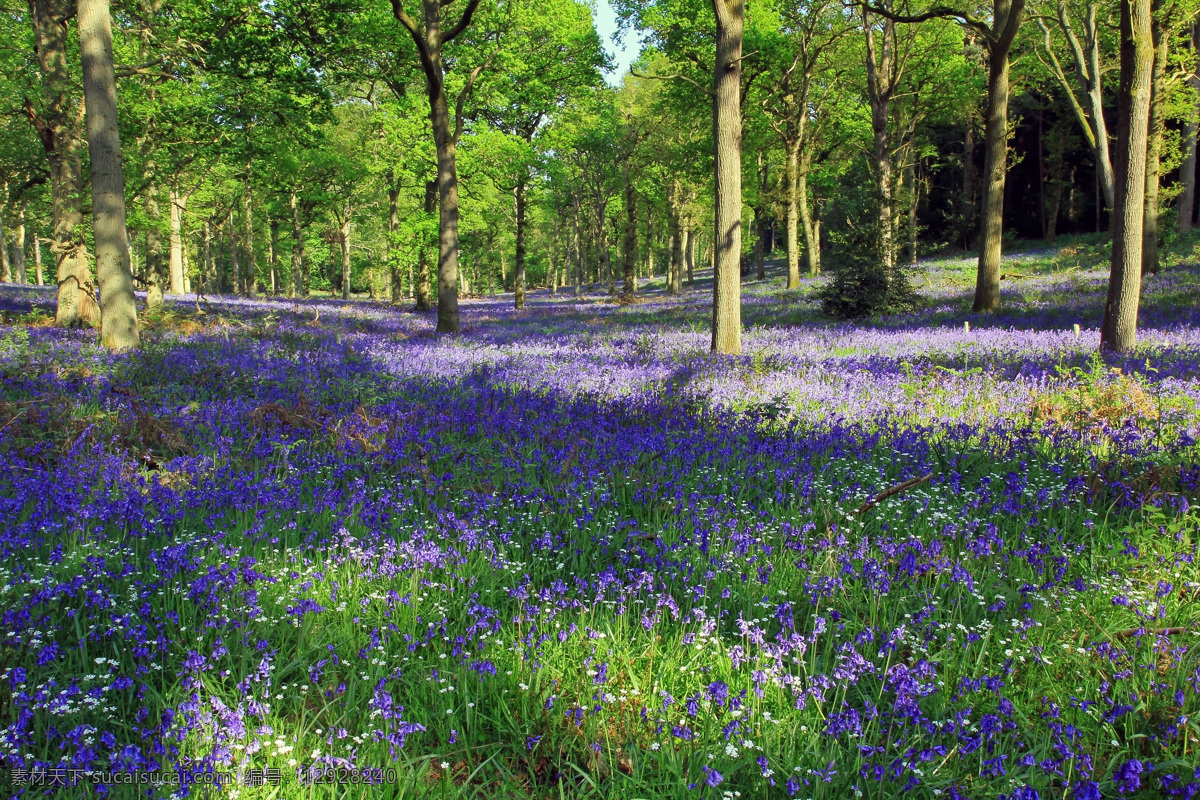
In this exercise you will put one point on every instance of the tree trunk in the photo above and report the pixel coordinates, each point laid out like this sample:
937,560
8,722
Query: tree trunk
727,145
233,257
1118,329
812,247
1007,18
5,265
914,197
675,265
691,239
630,265
1055,179
424,298
61,143
156,268
966,212
251,270
344,241
394,252
273,254
519,266
295,274
447,179
649,242
118,314
879,95
1154,143
37,260
1187,172
207,278
18,247
791,184
178,204
578,253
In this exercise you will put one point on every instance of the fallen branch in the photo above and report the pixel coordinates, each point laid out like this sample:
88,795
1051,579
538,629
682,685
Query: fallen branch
892,492
1130,632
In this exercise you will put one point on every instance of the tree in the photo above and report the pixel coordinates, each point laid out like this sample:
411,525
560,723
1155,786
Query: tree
727,149
997,37
1086,92
552,54
55,123
118,314
431,39
1118,329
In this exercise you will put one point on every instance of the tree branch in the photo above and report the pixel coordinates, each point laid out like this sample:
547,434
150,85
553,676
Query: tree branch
675,76
463,21
937,11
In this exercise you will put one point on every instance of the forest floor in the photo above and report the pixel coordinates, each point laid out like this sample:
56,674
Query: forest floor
570,553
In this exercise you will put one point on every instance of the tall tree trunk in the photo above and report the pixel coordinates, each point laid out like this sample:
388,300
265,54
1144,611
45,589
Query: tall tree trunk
1187,172
344,241
880,87
207,279
178,204
37,259
791,191
812,245
578,253
1118,329
966,212
630,265
18,247
1006,19
691,239
1055,179
273,254
424,291
914,197
251,271
727,145
1157,124
295,273
58,132
447,179
649,241
233,256
118,314
156,268
519,266
5,264
394,251
675,265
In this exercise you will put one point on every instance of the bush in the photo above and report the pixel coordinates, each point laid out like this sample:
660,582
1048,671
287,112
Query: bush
862,282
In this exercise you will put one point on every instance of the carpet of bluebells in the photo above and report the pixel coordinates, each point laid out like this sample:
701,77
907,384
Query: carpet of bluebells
570,553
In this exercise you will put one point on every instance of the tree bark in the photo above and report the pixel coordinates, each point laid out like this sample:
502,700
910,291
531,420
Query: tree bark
812,244
1161,39
5,264
118,314
1085,56
344,241
208,277
966,213
1006,20
880,88
727,145
429,42
519,266
156,269
251,271
18,247
58,132
1118,329
630,265
233,256
394,251
424,299
178,205
295,274
578,276
791,183
675,265
1187,172
273,255
37,260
